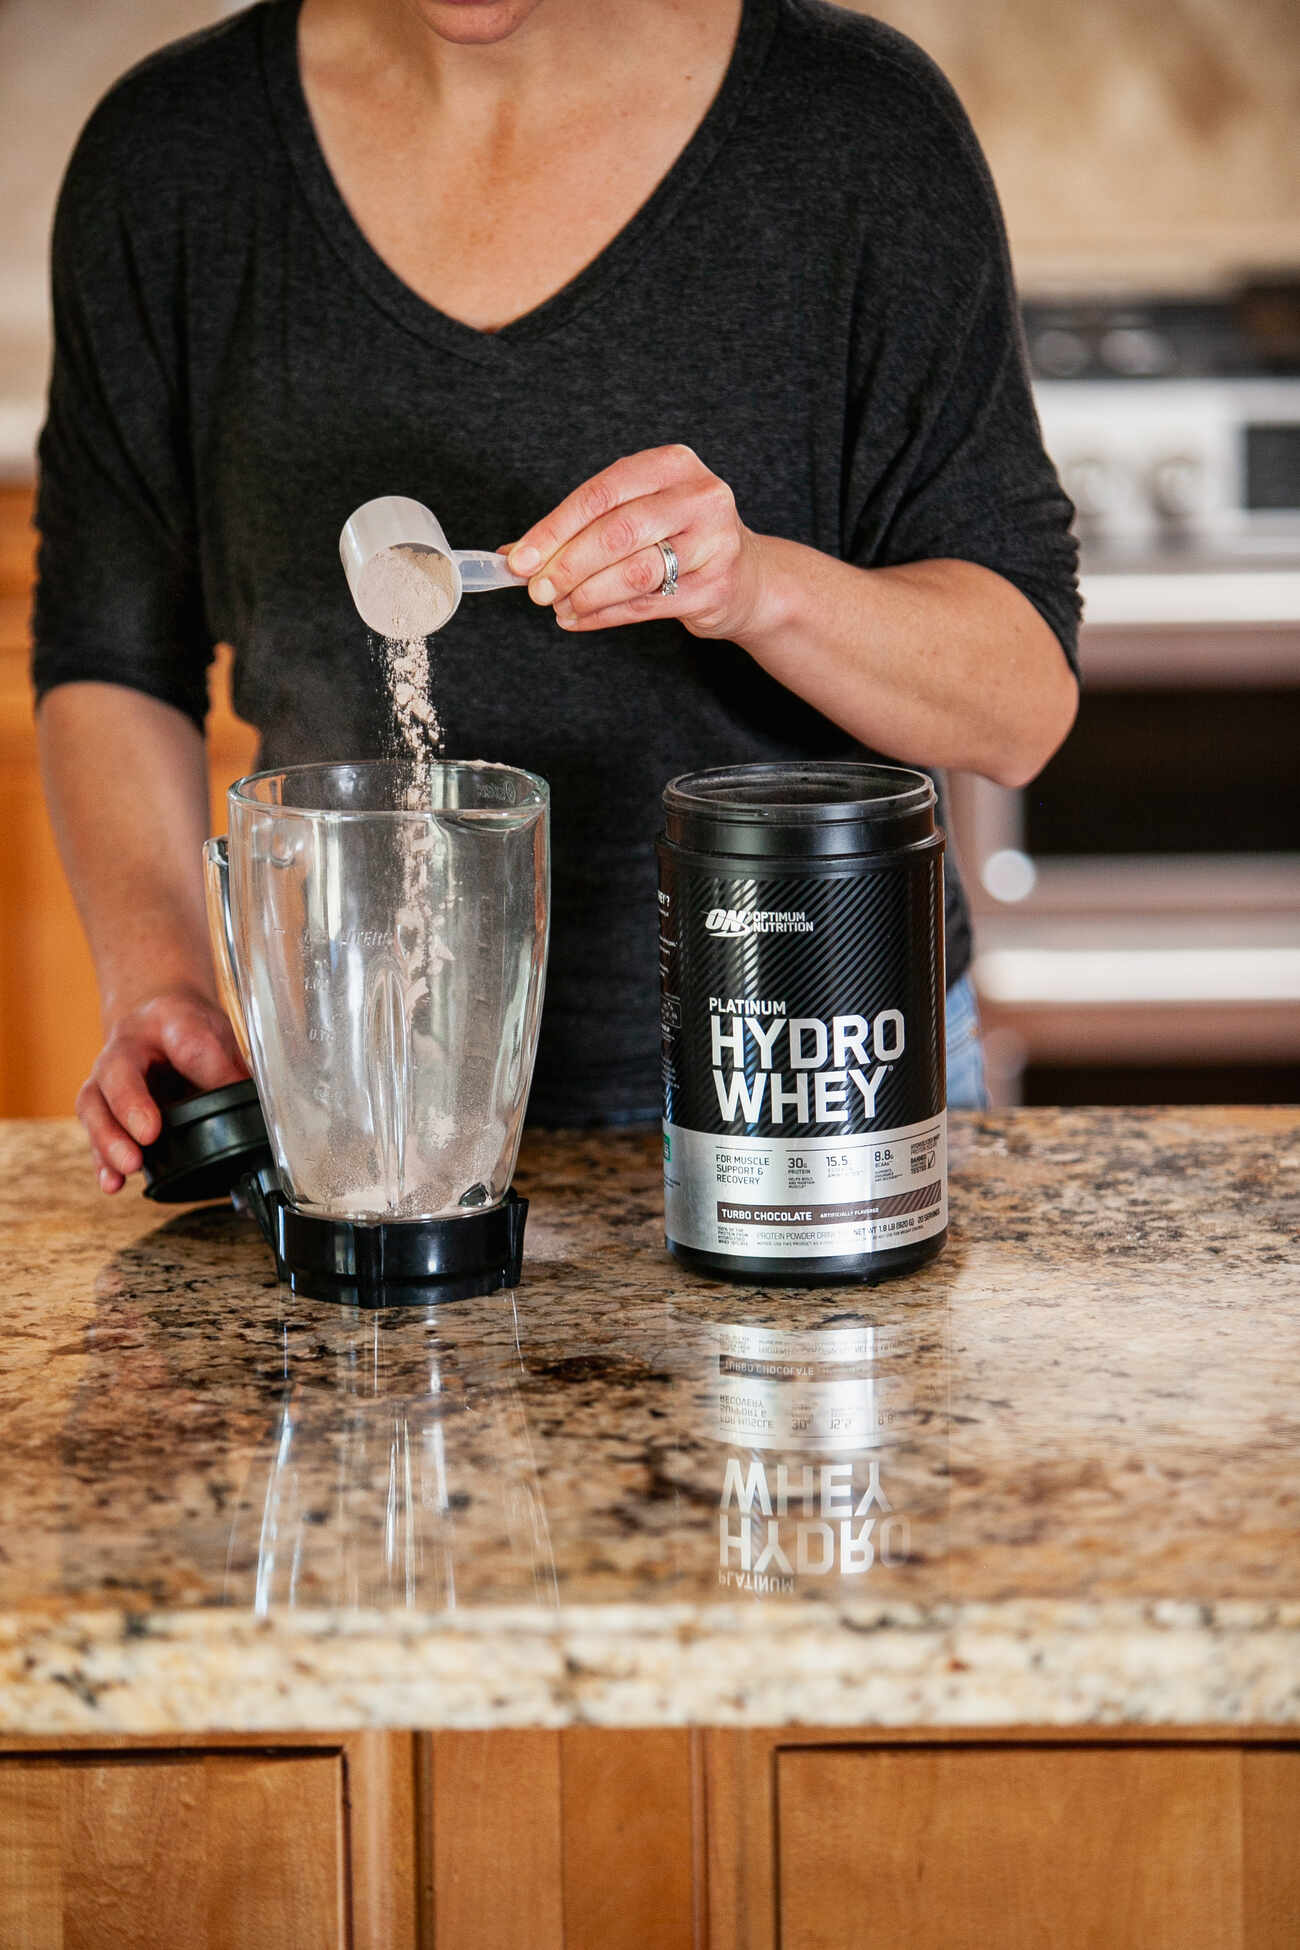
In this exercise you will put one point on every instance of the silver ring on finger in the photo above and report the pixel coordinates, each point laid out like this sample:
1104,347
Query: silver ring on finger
668,587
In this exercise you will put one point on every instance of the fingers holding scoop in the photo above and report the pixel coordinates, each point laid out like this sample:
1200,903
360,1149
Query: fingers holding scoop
606,555
639,585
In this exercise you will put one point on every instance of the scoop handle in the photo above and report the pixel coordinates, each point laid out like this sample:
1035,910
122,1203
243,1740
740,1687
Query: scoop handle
481,569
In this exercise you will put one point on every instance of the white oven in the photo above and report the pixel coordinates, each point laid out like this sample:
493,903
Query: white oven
1211,464
1138,905
1141,899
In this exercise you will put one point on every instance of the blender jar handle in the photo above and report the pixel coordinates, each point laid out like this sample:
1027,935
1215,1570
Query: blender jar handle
221,935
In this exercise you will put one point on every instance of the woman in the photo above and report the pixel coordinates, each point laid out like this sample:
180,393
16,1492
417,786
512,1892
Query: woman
707,313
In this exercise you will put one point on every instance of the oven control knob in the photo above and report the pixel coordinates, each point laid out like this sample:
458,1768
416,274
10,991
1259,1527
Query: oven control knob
1092,485
1176,486
1137,351
1057,352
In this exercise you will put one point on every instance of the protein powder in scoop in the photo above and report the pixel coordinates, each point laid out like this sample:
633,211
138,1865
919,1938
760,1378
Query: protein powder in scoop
802,989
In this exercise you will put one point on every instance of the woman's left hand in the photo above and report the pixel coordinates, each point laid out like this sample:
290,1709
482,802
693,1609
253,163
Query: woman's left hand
596,558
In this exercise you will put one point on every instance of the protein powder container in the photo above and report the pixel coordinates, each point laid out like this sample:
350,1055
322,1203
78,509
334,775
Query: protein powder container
802,998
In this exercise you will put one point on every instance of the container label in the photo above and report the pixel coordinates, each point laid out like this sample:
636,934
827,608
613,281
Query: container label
765,1198
803,1059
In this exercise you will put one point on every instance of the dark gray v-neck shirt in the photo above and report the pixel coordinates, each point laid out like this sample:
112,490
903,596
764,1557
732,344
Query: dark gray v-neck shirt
816,298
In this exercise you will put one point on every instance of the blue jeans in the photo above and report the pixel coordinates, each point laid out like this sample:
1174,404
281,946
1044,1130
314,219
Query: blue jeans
967,1086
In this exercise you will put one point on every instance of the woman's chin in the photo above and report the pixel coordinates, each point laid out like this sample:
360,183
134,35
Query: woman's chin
471,22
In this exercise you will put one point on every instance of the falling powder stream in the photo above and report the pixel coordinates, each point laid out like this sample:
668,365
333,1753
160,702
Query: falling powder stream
414,590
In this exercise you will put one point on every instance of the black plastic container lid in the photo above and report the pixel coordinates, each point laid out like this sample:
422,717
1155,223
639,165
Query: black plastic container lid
815,810
206,1145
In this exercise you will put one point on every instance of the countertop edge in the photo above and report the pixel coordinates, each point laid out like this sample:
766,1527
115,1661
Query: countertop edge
1042,1663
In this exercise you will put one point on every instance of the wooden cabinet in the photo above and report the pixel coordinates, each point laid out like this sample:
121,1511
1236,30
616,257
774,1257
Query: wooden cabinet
915,1844
49,1011
800,1840
463,1841
217,1850
209,1846
1117,1847
582,1840
668,1839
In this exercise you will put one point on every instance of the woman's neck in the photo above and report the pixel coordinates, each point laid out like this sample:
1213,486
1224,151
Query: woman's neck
536,56
549,139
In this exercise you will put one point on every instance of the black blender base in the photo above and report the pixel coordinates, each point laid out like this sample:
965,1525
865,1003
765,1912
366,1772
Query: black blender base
392,1263
397,1293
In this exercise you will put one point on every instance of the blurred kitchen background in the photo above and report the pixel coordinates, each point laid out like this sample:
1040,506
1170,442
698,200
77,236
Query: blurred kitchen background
1138,907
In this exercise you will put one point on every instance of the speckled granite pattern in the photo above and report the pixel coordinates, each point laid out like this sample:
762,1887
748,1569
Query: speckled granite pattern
1051,1479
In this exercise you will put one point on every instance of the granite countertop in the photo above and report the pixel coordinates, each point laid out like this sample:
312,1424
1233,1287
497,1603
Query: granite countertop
1050,1480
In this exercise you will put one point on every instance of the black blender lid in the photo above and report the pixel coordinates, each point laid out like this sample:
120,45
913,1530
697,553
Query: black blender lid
207,1144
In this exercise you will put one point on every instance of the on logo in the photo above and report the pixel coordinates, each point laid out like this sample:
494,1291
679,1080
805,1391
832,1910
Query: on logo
729,920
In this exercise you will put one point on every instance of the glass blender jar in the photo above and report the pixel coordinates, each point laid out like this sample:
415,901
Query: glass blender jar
380,935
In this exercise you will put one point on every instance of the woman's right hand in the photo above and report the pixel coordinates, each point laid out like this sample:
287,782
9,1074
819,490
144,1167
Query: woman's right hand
179,1030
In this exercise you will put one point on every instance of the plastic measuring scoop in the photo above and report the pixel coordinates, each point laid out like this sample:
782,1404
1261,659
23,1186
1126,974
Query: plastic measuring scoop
406,578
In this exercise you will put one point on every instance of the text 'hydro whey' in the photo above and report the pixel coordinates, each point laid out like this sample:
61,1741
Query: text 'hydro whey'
802,993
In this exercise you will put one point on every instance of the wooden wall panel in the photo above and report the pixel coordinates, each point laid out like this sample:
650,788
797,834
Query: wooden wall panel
380,1787
590,1839
31,1902
17,543
1270,1822
49,1010
740,1801
632,1835
496,1846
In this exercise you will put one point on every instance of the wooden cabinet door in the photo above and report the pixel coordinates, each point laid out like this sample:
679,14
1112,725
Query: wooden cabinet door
215,1843
214,1852
1050,1846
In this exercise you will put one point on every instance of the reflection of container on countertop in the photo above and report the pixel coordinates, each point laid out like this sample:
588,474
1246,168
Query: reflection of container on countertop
812,1481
